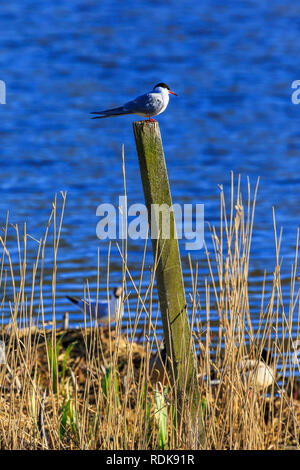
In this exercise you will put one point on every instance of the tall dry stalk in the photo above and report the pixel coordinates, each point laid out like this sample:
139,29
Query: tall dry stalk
99,392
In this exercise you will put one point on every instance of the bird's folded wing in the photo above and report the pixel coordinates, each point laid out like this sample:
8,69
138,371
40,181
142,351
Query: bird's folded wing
150,103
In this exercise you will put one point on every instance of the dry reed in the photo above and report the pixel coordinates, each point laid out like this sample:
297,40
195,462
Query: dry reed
91,388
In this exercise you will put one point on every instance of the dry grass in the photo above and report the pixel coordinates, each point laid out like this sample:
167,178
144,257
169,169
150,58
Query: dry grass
91,388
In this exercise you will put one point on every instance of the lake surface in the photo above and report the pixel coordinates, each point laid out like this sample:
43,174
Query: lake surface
232,65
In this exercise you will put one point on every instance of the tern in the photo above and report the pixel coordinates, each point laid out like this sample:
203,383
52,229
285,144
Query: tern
147,105
105,312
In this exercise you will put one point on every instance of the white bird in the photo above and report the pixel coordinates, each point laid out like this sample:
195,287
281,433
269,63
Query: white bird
259,374
105,312
256,374
150,104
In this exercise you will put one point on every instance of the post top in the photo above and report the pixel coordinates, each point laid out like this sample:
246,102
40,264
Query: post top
145,122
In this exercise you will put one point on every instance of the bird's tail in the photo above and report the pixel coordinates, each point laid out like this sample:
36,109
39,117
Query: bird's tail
73,299
111,112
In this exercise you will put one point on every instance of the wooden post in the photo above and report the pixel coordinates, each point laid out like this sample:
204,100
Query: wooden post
169,276
65,323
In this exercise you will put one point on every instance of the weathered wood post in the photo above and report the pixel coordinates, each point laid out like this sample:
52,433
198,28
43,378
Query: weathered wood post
65,322
169,276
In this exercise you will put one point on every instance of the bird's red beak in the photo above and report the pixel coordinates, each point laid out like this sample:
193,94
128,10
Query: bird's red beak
172,92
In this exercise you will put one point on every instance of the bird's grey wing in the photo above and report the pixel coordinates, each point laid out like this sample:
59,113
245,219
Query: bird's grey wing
103,311
92,308
87,307
149,103
99,310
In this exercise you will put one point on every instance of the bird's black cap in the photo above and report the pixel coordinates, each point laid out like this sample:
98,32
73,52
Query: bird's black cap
117,292
266,356
162,85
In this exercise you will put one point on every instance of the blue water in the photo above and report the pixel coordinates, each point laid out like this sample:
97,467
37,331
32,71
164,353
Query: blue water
232,65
